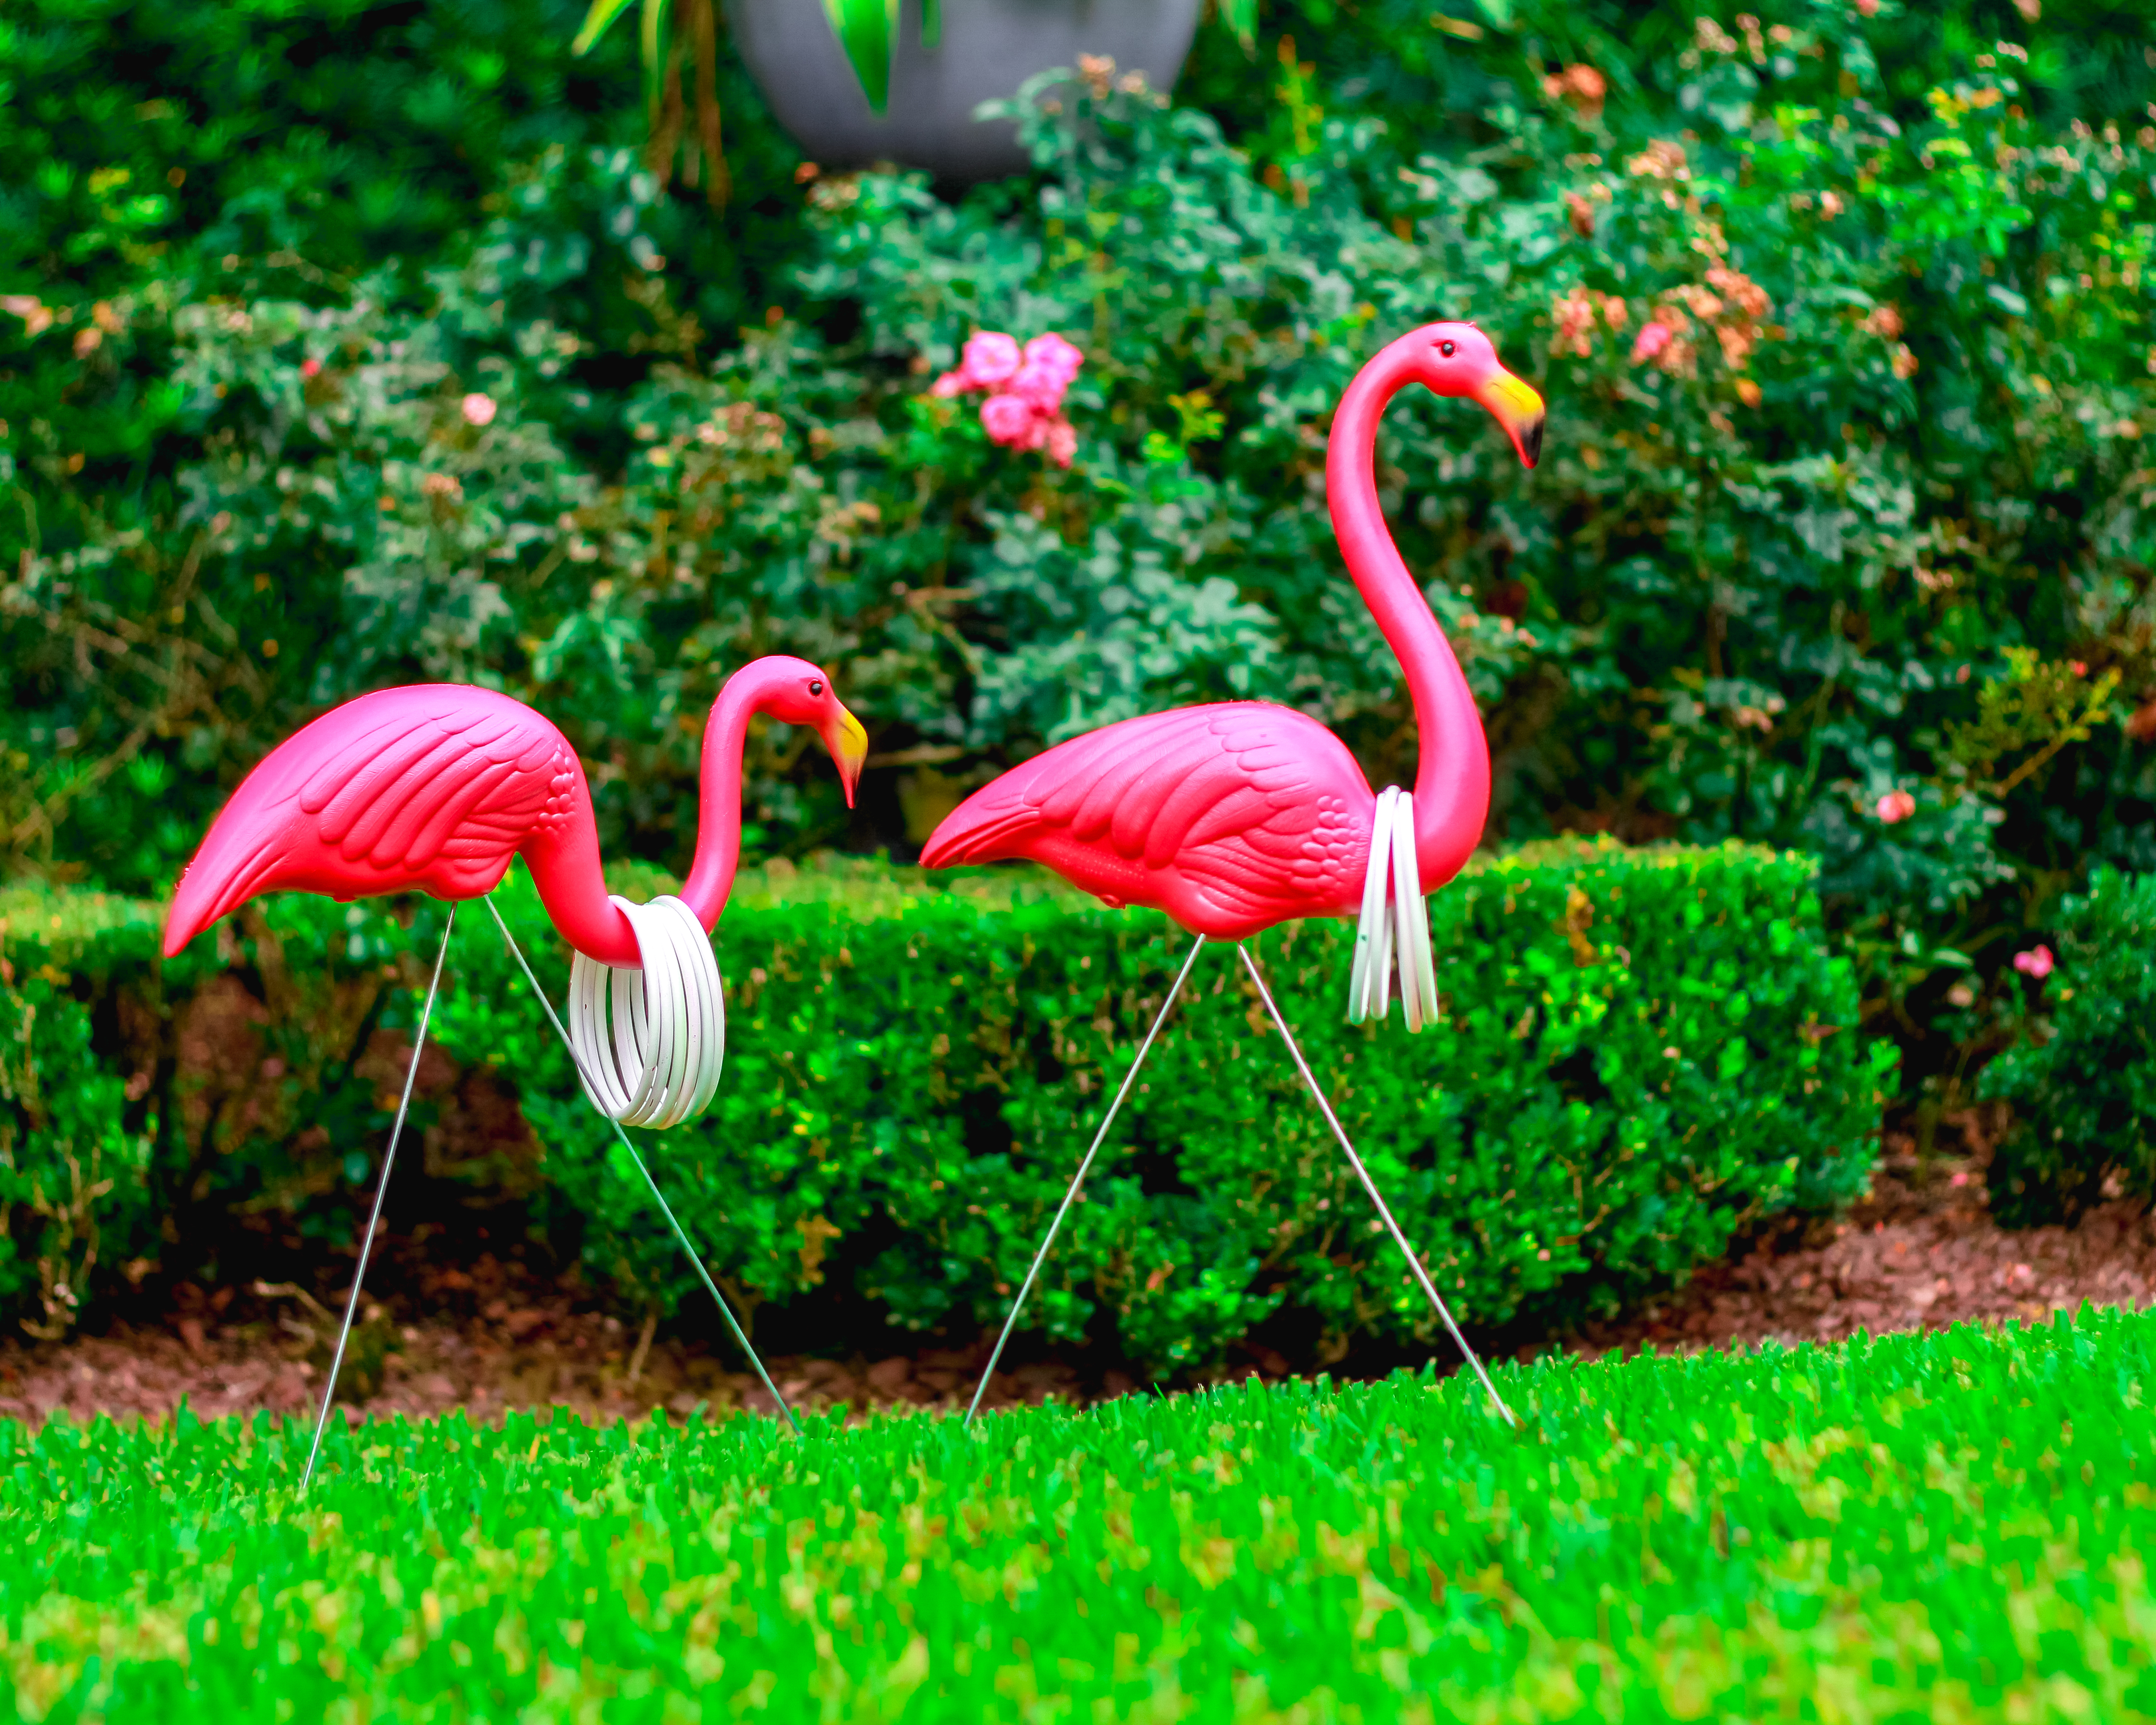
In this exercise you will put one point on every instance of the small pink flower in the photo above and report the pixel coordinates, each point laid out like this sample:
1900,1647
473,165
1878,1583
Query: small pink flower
479,409
2078,667
1037,433
1895,806
1038,386
1653,338
1574,314
1056,354
1025,386
310,368
1960,1178
1008,420
990,357
2037,962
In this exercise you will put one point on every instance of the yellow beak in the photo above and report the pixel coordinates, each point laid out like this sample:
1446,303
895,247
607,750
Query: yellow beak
1515,405
849,744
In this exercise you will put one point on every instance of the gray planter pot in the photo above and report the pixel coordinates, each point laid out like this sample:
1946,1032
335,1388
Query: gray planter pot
989,49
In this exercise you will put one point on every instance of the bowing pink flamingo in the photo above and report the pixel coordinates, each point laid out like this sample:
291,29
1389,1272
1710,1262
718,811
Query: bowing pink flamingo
1234,817
435,788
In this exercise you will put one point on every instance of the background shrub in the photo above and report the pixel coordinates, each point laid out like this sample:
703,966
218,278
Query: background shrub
2083,1081
75,1198
1876,522
1643,1052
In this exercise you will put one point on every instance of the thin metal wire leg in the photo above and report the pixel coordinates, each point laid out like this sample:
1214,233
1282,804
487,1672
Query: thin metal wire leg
658,1196
1370,1186
381,1187
1077,1180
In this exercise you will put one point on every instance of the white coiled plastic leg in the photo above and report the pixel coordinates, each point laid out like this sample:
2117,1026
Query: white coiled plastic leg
1394,921
657,1062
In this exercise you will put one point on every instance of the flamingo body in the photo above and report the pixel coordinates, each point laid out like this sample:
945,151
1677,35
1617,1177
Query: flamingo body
431,789
434,787
1235,817
1230,817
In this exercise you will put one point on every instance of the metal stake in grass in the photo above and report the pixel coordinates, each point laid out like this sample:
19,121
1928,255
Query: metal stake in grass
1370,1185
658,1196
1041,1256
381,1187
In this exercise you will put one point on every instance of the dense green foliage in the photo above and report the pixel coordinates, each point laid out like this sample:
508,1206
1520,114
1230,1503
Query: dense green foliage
1763,580
1952,1526
74,1180
165,168
1647,1058
2081,1075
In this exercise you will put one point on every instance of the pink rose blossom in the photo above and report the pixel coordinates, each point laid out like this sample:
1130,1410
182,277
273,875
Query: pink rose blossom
1056,354
479,409
1037,433
2037,962
1574,314
990,357
1038,386
1896,806
1007,419
1653,338
1025,386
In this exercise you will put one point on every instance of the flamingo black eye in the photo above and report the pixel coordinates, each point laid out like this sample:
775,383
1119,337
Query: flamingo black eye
815,685
1448,348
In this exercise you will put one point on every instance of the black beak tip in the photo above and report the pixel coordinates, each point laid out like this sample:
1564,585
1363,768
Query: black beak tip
1531,441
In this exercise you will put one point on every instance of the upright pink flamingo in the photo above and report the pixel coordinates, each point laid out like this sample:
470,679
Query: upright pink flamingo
435,788
1234,817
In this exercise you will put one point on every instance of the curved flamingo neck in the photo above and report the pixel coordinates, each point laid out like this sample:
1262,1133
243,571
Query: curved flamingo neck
719,785
1452,780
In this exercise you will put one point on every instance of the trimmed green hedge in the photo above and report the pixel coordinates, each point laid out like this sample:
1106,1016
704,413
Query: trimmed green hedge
1642,1051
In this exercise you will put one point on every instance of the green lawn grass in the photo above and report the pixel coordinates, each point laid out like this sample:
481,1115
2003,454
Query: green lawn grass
1947,1527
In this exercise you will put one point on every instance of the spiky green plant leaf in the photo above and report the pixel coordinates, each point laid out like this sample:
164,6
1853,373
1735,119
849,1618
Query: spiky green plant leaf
656,20
868,31
602,14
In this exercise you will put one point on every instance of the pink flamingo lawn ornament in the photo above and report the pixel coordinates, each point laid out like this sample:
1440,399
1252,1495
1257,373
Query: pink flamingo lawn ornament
1234,817
435,788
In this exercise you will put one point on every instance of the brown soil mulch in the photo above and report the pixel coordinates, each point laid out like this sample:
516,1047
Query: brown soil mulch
1920,1253
269,1351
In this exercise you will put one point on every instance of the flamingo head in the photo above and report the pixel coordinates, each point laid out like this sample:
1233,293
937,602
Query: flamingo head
1458,359
805,698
